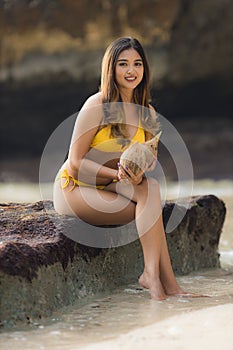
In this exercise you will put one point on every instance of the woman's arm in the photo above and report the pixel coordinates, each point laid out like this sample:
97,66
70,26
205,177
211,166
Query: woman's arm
86,126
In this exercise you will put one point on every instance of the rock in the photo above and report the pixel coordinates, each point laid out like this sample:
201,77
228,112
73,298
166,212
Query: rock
198,33
41,269
50,64
42,40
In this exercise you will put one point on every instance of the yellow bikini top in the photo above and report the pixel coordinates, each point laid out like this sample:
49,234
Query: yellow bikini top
103,141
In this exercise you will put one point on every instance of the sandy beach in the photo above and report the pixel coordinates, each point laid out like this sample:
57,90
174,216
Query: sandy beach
208,329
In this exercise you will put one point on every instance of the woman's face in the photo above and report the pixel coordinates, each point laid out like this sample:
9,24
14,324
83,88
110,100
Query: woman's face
129,69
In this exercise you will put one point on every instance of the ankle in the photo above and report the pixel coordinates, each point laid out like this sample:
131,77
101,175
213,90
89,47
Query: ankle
147,279
153,283
151,274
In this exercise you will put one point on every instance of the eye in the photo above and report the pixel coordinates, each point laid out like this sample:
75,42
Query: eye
122,64
138,64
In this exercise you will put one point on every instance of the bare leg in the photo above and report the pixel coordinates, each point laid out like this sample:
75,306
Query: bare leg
142,203
158,273
167,276
169,282
150,229
92,205
165,271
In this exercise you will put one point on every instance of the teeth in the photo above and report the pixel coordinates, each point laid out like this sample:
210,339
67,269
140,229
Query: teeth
131,78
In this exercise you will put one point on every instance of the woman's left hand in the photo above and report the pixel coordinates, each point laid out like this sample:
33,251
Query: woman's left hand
130,176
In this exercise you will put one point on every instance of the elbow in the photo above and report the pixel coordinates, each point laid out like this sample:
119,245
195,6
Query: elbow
74,165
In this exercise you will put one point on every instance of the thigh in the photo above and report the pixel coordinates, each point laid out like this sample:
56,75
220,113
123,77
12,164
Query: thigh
98,207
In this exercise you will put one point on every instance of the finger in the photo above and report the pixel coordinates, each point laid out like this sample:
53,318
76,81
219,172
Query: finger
129,172
123,172
140,174
135,178
142,171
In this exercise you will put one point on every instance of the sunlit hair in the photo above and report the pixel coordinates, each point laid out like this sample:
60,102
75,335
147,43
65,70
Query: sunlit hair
110,90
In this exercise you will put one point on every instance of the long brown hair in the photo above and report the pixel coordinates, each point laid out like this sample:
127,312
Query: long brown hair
110,91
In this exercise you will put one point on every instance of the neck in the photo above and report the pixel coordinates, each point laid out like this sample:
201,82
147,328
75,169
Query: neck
126,95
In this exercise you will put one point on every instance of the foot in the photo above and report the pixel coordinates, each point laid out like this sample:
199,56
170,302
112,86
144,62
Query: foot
154,285
182,294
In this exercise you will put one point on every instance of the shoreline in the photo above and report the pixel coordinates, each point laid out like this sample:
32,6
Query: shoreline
28,191
209,328
170,324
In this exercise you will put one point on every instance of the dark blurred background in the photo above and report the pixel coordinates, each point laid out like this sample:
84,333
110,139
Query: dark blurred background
50,57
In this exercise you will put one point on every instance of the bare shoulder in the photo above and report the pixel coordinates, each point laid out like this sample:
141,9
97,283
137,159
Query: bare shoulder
91,114
93,100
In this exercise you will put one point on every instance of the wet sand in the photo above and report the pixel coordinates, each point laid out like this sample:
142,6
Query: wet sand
208,329
127,318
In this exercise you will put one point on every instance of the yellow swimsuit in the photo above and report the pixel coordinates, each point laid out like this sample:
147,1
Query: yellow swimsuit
102,142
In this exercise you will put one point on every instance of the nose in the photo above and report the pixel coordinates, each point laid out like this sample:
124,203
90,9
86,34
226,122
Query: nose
130,70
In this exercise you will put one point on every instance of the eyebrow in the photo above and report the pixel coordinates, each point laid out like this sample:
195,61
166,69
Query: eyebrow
125,60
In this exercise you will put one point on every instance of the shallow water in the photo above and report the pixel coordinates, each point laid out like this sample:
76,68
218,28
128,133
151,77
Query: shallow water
105,316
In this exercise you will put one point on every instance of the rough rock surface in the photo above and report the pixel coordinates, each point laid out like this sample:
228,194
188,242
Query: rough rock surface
50,64
41,269
187,40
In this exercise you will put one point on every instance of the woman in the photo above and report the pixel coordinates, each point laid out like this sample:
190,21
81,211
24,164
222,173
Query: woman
91,180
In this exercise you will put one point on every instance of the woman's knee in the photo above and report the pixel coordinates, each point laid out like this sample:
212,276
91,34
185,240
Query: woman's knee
152,181
149,183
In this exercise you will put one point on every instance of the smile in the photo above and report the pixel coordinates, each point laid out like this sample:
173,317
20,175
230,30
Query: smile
130,78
